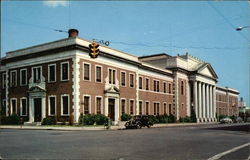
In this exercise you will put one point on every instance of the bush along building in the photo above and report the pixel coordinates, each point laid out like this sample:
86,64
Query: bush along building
72,77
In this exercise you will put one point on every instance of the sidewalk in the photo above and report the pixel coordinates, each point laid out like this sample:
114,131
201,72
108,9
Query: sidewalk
72,128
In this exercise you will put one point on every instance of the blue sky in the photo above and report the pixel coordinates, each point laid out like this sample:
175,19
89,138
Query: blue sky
205,29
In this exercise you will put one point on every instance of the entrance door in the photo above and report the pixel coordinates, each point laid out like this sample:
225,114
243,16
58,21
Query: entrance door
38,109
111,112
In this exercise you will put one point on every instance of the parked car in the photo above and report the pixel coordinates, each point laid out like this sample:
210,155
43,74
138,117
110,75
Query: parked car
138,121
239,120
226,120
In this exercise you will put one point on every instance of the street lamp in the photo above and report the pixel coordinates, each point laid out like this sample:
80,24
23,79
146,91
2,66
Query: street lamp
240,28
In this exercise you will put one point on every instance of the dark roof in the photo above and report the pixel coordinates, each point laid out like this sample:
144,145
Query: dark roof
155,55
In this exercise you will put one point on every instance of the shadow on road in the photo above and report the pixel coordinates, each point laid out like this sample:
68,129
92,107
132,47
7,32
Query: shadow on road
243,127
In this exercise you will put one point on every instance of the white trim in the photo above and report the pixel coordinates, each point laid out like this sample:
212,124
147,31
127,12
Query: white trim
165,103
125,109
49,73
133,80
11,107
148,84
156,86
96,104
87,95
4,80
11,78
24,69
61,76
141,82
133,107
21,106
112,69
101,73
32,72
83,63
49,107
156,102
65,95
166,84
121,78
148,107
141,107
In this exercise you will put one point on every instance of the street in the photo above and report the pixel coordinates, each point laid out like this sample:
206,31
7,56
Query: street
173,143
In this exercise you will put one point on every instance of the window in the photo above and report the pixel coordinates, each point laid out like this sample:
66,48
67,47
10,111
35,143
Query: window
86,104
23,107
98,105
140,107
165,108
13,105
86,71
36,74
140,82
23,77
147,108
64,71
4,106
169,109
164,87
123,103
156,108
169,88
3,80
13,78
123,78
98,72
112,76
158,86
131,107
52,105
182,88
51,73
154,85
65,105
131,80
147,84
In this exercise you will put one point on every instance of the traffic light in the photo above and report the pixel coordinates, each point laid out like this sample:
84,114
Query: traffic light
93,50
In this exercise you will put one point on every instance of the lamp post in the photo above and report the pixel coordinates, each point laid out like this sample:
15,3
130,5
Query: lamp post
240,28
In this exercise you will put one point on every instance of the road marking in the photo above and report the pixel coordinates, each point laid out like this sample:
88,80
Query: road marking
217,156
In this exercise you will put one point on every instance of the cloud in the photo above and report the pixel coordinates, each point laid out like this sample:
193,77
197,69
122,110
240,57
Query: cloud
54,4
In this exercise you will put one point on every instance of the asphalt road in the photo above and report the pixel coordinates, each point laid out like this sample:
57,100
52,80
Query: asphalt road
172,143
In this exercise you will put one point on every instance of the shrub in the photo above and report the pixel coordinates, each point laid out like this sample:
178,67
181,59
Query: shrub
101,119
172,118
90,119
125,117
49,121
162,118
13,119
153,119
185,119
193,116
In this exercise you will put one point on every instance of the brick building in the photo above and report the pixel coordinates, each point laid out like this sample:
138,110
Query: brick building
60,79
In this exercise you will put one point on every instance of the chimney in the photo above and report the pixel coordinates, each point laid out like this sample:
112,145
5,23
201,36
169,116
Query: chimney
73,33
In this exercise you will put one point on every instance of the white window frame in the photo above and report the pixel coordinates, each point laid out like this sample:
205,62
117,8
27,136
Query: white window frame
49,107
25,69
125,111
11,107
121,78
148,107
21,106
166,87
3,80
148,83
96,72
49,81
41,73
96,104
112,75
130,80
87,95
84,69
133,107
11,78
61,75
62,104
165,103
170,89
141,83
141,107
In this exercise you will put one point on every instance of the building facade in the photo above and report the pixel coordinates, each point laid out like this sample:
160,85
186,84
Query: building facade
61,79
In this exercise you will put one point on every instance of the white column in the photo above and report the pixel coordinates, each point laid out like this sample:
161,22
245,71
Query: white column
106,106
203,102
195,96
31,109
210,103
43,107
214,103
200,102
207,104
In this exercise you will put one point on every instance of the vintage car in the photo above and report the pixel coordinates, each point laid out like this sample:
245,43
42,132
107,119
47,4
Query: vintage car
138,121
226,120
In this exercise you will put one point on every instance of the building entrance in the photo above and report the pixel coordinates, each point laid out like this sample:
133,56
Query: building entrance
38,109
111,109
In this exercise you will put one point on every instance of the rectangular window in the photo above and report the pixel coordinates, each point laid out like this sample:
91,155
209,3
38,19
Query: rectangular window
165,108
131,80
140,107
86,104
154,108
158,108
164,87
23,107
158,86
86,70
51,73
155,85
123,105
65,71
147,84
36,74
169,88
13,106
23,77
65,105
140,82
112,76
98,105
52,105
98,74
147,108
131,107
3,80
182,88
13,78
169,109
123,78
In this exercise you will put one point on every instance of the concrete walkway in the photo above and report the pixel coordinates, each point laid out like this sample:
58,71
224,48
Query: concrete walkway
73,128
